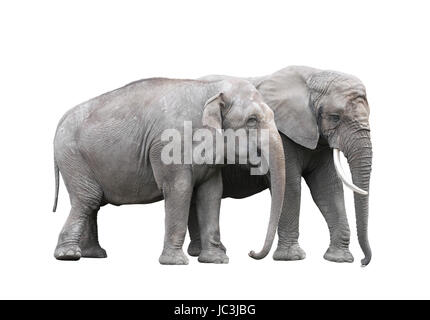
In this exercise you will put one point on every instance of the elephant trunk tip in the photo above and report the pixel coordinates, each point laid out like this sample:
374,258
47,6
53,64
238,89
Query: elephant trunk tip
366,261
257,256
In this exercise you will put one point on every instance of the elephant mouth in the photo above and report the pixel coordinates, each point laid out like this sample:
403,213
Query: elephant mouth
255,164
256,160
342,175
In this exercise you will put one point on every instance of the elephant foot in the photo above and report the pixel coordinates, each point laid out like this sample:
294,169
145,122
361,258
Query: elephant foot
213,256
338,255
94,252
290,253
68,252
194,248
173,257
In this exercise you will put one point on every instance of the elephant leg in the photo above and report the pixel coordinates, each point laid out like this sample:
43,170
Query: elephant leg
327,192
69,238
288,229
208,202
89,242
85,198
195,246
177,195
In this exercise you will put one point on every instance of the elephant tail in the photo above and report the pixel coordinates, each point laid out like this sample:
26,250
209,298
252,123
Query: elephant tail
57,185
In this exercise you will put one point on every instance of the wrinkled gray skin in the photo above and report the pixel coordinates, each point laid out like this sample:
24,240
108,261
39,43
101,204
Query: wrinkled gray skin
108,150
315,111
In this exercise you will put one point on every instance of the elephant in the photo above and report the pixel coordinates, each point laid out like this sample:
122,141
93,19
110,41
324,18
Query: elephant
109,151
318,113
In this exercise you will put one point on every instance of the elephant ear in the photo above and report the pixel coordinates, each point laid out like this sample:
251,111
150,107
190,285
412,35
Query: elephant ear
212,111
287,94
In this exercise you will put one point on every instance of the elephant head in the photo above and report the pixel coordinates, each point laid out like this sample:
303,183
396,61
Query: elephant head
310,104
240,106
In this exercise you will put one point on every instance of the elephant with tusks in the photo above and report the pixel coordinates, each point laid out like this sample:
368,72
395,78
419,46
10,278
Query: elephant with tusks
319,114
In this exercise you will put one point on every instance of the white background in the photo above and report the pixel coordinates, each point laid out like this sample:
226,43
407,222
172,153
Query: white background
56,54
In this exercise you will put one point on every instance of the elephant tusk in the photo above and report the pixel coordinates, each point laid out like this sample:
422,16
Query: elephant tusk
341,173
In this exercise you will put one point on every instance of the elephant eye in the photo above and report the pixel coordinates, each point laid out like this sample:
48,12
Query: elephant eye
334,117
252,122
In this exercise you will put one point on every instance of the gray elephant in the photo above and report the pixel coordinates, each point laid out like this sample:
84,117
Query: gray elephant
108,150
317,113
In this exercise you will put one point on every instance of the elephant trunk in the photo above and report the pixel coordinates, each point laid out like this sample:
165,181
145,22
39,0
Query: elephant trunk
359,155
276,160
